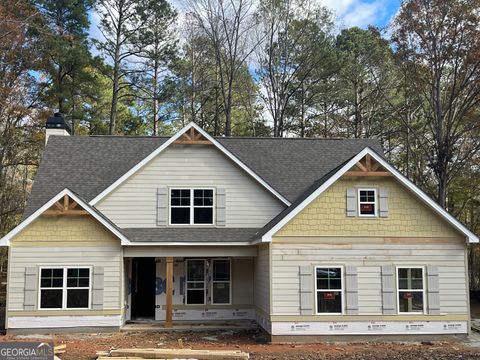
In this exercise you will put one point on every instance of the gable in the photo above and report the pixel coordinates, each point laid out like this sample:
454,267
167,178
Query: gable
408,216
64,231
133,203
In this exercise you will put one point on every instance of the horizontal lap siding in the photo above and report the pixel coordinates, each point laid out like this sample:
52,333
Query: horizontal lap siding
108,257
242,281
368,258
133,204
262,280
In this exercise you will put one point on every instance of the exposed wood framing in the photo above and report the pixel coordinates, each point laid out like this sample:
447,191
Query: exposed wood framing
368,167
192,137
169,293
65,206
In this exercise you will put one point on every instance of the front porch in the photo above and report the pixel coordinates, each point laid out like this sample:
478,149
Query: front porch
202,287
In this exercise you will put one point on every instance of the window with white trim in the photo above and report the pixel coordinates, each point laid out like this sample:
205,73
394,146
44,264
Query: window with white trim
329,289
196,272
411,290
191,206
367,202
64,288
221,281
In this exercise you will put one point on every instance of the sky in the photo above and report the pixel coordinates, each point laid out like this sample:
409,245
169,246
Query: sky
349,13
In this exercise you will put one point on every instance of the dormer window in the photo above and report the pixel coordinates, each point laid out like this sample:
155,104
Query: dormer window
367,202
191,206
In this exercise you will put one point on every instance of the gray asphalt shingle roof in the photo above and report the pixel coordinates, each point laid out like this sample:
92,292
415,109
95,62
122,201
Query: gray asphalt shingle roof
89,164
197,235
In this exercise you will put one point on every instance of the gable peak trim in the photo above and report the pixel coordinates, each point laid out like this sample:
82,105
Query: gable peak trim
205,138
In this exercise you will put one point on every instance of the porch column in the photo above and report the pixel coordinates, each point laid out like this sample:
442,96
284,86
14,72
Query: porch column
169,302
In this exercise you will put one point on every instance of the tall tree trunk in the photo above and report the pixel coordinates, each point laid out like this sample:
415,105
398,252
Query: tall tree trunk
155,99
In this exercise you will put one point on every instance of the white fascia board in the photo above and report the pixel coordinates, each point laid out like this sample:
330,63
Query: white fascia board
219,243
472,238
152,155
5,241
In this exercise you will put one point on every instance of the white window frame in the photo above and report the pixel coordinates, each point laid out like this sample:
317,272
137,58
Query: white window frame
191,206
324,290
195,281
375,203
64,287
222,282
423,291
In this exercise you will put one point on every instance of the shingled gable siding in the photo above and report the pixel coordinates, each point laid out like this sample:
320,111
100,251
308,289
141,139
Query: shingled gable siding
411,235
66,241
133,204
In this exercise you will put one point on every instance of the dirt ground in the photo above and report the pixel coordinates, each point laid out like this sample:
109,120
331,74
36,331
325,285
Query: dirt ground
84,346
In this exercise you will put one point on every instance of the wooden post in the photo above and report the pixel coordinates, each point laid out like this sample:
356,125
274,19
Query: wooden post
169,302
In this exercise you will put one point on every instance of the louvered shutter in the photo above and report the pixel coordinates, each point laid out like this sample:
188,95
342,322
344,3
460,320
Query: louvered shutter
388,290
383,202
306,290
433,290
351,202
97,288
351,289
30,289
221,199
162,206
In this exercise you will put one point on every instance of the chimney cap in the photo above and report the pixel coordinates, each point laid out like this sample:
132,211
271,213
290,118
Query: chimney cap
58,122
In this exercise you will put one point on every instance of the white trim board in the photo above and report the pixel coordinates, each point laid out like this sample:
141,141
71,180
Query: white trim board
472,238
5,241
175,137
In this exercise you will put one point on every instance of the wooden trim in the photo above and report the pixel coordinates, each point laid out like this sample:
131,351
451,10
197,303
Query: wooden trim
193,142
369,317
169,293
361,166
64,312
367,173
66,212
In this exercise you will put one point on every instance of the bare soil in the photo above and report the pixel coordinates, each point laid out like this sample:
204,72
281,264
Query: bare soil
84,346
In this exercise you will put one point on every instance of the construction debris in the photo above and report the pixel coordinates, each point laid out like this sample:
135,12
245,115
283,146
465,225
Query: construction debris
121,354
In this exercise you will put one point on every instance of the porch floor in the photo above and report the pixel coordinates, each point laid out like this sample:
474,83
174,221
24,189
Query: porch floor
154,325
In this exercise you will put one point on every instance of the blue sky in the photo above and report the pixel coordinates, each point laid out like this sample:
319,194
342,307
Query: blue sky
348,13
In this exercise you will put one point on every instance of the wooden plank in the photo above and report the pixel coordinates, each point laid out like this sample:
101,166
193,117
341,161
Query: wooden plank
68,213
368,162
193,142
180,353
367,173
169,293
360,165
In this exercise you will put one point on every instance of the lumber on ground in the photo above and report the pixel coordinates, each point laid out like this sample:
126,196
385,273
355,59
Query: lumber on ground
181,353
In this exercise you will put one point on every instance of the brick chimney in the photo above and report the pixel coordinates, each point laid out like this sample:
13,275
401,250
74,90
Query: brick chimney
56,125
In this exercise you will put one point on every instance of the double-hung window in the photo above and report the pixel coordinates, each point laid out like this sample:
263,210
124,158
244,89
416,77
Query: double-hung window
221,281
191,206
195,282
329,290
411,290
367,202
65,288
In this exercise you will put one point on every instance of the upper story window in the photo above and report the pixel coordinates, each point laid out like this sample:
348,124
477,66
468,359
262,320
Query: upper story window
367,202
191,206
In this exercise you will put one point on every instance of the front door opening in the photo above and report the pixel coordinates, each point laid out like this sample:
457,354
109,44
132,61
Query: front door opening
143,288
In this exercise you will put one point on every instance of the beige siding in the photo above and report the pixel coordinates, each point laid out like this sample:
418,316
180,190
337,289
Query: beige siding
262,279
65,241
109,257
242,281
133,204
407,217
368,258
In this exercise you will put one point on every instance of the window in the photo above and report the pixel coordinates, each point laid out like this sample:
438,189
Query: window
191,206
367,202
221,281
329,290
195,282
64,288
411,297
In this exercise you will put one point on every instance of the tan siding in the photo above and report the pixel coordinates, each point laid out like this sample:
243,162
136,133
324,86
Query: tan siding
242,281
133,204
262,279
108,257
368,258
408,216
